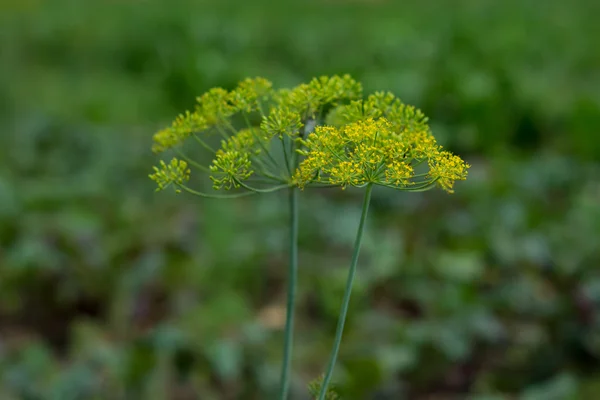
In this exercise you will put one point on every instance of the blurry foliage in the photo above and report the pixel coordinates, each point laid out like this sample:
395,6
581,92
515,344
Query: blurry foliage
108,291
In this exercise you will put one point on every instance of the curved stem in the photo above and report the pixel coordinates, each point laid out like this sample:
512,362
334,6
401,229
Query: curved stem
192,162
216,196
263,168
418,187
264,180
262,145
257,190
291,295
204,145
346,301
230,127
223,133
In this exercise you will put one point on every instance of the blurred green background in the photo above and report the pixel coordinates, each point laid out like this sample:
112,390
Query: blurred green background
111,291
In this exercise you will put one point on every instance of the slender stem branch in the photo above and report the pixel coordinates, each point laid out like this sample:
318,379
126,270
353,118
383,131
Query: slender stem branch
230,127
247,120
286,156
265,149
264,181
346,300
257,190
417,187
204,145
192,162
268,154
263,168
291,295
224,134
260,108
216,196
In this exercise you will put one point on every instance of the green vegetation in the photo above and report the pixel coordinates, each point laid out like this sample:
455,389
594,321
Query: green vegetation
110,291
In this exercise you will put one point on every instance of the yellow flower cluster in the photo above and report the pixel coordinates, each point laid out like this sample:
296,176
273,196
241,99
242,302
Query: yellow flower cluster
232,162
308,99
374,151
179,130
229,168
355,141
446,168
176,172
245,141
402,116
248,95
213,108
280,122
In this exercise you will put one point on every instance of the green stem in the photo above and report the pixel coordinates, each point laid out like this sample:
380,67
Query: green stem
417,187
260,109
204,145
346,301
263,169
265,149
217,196
292,283
224,134
258,190
291,295
192,162
286,157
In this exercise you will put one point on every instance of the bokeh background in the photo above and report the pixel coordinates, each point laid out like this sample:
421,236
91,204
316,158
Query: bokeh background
111,291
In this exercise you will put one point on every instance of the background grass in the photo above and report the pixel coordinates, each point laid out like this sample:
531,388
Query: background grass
110,291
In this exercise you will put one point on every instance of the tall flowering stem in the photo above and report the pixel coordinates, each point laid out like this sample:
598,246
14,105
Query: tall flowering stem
347,292
291,295
291,163
323,133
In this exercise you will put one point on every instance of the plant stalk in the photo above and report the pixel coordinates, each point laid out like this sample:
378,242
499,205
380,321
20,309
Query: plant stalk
291,295
346,300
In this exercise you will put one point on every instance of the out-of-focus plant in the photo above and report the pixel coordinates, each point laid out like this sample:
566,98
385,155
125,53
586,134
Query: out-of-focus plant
309,137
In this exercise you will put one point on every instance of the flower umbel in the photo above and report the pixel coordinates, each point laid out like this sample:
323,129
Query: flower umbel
376,151
183,126
355,141
309,99
250,93
446,168
281,121
176,172
229,169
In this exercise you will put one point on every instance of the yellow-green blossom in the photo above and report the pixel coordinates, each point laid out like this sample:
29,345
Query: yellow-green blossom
245,141
229,168
281,121
176,172
403,117
308,99
183,126
250,93
373,151
232,163
446,168
213,109
215,106
352,141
